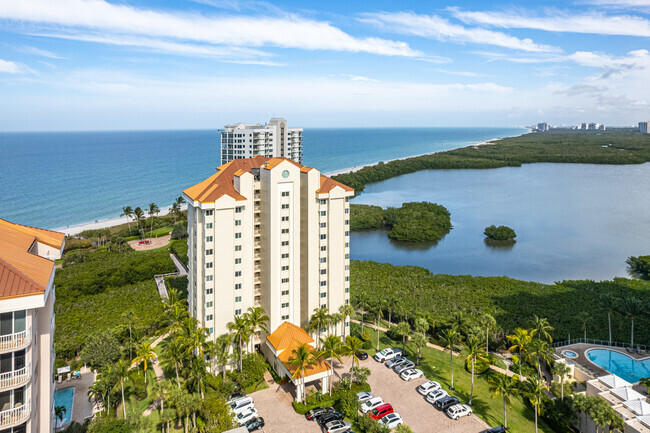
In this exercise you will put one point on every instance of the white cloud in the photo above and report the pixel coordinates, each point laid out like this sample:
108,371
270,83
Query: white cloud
435,27
9,67
623,4
38,52
289,31
360,78
594,22
459,73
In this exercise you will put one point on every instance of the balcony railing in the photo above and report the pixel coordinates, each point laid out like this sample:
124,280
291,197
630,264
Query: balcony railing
16,341
14,378
14,416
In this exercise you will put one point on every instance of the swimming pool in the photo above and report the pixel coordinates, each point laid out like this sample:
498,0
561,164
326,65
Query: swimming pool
569,354
620,364
64,397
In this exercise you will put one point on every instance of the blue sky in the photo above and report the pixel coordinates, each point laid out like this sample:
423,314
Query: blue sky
101,65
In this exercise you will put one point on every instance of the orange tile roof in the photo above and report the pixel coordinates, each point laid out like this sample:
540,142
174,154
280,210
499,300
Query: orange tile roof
221,183
320,366
286,334
22,272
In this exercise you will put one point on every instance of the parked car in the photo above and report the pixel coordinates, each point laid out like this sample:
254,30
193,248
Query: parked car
381,411
362,356
323,420
446,402
427,387
371,404
458,410
362,397
404,366
391,420
317,412
254,424
436,395
411,374
338,426
387,354
241,405
246,415
235,396
396,361
497,429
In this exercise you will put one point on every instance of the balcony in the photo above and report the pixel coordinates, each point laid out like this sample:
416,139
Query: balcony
15,341
14,378
13,417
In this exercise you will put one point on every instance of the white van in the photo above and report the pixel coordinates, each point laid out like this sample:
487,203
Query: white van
238,406
371,404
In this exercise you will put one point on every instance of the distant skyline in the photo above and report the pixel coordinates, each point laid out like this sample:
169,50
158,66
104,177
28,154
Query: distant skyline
142,64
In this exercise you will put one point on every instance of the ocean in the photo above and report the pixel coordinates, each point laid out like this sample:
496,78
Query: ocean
56,179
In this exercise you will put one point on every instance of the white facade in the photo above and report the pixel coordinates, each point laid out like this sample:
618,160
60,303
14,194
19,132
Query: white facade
543,126
270,233
644,127
274,139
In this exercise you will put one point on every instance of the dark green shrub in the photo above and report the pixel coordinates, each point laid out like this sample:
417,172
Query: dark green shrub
501,233
253,369
179,231
139,387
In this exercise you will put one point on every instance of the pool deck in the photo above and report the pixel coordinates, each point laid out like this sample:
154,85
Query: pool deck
82,408
582,348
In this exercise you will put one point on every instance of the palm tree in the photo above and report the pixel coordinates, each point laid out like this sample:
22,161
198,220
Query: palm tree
59,412
176,207
138,215
520,341
121,372
240,331
173,356
542,329
331,346
346,311
460,322
161,390
539,351
581,403
419,341
145,355
153,211
584,318
335,319
403,329
488,321
319,320
353,348
535,389
562,370
608,304
631,308
257,320
504,386
220,353
196,374
301,358
473,353
128,316
127,212
450,338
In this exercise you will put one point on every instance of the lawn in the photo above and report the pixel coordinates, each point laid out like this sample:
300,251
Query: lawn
435,365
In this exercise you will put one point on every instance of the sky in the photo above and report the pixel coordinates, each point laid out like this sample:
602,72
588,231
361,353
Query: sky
142,64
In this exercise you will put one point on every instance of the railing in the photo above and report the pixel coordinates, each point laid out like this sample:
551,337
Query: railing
16,341
643,347
14,378
11,417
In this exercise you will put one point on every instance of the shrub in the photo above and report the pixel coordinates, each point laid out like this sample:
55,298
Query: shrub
501,233
139,387
179,247
253,369
347,404
179,231
73,243
101,348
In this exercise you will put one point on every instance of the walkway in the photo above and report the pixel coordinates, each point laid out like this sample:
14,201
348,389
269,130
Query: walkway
182,270
160,375
152,245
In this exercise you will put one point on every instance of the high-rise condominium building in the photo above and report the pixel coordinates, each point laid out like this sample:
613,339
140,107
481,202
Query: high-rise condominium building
267,232
27,257
644,127
274,139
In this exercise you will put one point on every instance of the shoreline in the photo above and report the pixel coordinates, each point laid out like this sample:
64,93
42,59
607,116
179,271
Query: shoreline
111,222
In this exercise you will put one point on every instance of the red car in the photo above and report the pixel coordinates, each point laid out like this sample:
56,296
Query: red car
381,411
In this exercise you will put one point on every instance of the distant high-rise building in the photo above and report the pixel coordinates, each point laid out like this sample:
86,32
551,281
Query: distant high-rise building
543,126
644,127
584,126
275,139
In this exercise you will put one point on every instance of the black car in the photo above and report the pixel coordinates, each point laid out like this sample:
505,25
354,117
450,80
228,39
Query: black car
362,356
254,424
329,418
497,429
446,402
235,395
317,412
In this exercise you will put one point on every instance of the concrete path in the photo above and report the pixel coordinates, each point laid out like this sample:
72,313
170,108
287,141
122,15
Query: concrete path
161,286
180,266
160,375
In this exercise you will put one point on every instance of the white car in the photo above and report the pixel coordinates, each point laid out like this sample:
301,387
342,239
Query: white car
363,397
239,406
436,395
338,426
403,367
391,420
411,374
387,354
427,387
371,404
247,415
458,410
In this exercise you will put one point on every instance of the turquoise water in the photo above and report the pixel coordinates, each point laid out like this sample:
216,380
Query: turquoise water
64,397
53,180
620,364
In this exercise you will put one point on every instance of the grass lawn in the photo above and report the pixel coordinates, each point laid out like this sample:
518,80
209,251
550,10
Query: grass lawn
435,365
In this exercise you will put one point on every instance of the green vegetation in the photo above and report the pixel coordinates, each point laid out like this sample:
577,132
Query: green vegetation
560,146
413,222
179,247
405,291
501,233
640,265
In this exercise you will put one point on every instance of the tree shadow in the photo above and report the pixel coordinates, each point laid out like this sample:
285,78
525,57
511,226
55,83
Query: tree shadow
496,245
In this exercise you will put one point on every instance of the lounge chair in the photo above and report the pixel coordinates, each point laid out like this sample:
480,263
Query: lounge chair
630,349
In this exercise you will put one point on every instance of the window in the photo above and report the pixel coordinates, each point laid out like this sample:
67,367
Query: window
208,265
323,237
323,305
347,222
323,259
208,318
237,273
347,301
285,292
285,206
285,231
237,312
208,304
347,245
347,290
347,278
347,267
211,330
237,235
323,283
237,247
347,199
208,252
285,218
347,210
322,213
323,225
285,305
238,209
323,295
237,222
285,193
238,286
208,226
208,238
347,256
323,201
285,255
285,268
238,261
285,280
323,248
237,298
209,212
323,271
285,317
285,243
208,291
208,278
347,233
